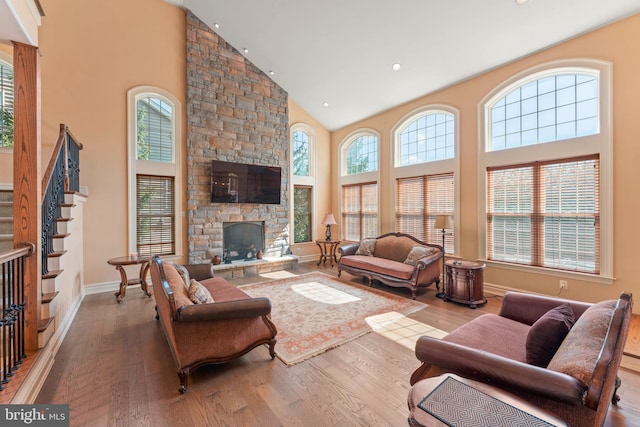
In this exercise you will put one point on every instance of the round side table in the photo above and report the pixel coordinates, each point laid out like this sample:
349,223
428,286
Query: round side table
119,263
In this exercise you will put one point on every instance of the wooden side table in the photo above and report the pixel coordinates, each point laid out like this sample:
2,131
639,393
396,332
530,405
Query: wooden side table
120,263
328,250
465,282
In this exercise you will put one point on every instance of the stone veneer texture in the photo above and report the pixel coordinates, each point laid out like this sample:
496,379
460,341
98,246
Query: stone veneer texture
235,113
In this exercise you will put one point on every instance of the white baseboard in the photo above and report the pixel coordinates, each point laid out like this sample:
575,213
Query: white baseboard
98,288
30,387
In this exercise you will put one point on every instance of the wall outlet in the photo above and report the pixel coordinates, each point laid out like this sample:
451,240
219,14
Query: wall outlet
564,284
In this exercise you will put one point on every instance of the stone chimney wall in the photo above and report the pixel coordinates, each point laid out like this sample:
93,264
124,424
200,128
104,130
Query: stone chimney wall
235,113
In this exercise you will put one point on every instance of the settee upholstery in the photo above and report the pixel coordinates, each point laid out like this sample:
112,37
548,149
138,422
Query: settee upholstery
207,333
580,379
395,259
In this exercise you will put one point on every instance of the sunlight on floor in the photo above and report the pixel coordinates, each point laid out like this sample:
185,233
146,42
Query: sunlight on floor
322,293
401,329
282,274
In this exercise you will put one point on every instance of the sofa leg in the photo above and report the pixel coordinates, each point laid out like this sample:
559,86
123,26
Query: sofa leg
272,348
615,398
413,293
183,381
339,272
157,314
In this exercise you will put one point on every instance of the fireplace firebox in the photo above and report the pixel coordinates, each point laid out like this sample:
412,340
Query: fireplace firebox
242,241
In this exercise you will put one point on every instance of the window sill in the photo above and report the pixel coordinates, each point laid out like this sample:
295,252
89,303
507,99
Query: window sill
598,279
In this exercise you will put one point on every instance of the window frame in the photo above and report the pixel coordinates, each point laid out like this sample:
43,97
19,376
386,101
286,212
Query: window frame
301,180
310,213
154,168
416,115
8,59
600,144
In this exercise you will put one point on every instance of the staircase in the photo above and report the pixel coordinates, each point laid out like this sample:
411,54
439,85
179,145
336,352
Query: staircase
6,220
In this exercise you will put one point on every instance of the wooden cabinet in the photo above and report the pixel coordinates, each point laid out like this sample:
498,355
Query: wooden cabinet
465,282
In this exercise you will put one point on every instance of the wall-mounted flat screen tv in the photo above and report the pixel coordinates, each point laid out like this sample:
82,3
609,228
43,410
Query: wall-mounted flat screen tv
243,183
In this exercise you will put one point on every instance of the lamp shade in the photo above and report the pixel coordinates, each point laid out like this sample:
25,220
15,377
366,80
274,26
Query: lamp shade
329,220
443,222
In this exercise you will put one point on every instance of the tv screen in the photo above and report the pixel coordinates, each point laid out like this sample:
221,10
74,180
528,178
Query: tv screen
242,183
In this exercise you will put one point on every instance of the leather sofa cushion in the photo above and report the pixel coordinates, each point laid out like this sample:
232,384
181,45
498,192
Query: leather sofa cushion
379,265
547,333
394,248
493,334
221,290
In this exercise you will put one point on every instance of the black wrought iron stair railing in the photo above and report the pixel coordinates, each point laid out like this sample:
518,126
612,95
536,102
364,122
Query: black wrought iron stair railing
62,176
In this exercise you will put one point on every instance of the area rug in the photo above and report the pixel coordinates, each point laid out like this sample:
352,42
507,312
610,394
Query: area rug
314,312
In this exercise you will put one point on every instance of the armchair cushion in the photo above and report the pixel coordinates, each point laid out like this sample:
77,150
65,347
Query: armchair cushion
418,252
198,293
547,333
177,285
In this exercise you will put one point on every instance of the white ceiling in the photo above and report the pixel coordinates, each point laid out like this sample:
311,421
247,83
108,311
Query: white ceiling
341,51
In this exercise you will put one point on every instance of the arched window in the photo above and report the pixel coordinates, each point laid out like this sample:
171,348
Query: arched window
359,184
426,138
302,167
154,172
362,154
546,165
6,104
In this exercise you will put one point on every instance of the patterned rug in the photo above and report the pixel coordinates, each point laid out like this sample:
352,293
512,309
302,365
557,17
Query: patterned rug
315,312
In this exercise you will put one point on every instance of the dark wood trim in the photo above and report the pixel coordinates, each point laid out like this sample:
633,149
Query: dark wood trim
26,176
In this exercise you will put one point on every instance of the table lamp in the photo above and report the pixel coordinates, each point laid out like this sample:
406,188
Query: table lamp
329,220
443,222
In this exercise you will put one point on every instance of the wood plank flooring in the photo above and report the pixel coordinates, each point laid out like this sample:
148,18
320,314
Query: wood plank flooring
115,368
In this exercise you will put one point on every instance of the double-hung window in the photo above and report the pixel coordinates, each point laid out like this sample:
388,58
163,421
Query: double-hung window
154,172
547,170
6,104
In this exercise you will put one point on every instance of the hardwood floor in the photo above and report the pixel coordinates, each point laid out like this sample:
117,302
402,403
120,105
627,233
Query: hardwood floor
114,368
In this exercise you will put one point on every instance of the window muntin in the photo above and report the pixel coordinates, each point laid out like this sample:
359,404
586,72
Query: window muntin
302,213
552,108
546,214
301,153
359,211
155,215
154,129
419,200
361,155
6,105
428,138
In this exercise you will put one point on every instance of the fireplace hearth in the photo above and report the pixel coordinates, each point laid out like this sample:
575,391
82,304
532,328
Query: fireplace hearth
242,241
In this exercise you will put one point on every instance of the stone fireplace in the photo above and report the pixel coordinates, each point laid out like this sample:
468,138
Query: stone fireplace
235,113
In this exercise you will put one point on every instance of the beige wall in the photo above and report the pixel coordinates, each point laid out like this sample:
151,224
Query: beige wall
324,171
614,43
92,53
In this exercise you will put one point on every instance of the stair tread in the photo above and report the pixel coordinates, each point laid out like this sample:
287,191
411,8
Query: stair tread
43,324
52,274
64,219
48,297
56,254
68,205
61,235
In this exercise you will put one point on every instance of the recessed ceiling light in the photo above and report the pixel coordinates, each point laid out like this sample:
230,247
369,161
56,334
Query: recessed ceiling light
216,25
271,72
521,2
246,50
396,67
326,104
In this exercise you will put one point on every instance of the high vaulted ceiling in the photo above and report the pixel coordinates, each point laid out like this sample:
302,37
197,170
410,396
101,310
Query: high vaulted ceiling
341,52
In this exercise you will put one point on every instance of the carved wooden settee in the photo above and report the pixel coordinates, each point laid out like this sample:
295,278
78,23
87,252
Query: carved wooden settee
207,332
396,259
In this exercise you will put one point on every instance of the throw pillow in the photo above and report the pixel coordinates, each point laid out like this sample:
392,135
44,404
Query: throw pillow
417,253
177,285
547,333
367,247
198,293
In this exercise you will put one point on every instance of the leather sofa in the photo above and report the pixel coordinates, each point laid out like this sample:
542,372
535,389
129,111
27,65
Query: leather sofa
580,379
395,259
211,332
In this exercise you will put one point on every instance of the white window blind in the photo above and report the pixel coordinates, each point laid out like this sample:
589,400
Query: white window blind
154,130
155,215
359,211
546,214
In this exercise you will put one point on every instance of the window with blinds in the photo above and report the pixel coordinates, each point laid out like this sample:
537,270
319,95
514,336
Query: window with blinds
546,214
419,200
155,215
6,104
359,211
302,213
154,130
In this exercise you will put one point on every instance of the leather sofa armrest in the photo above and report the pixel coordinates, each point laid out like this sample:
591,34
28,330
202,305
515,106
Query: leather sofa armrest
199,271
424,262
527,308
349,249
493,369
250,307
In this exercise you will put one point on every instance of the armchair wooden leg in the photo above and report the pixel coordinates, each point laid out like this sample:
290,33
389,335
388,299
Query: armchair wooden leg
183,381
615,398
272,348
